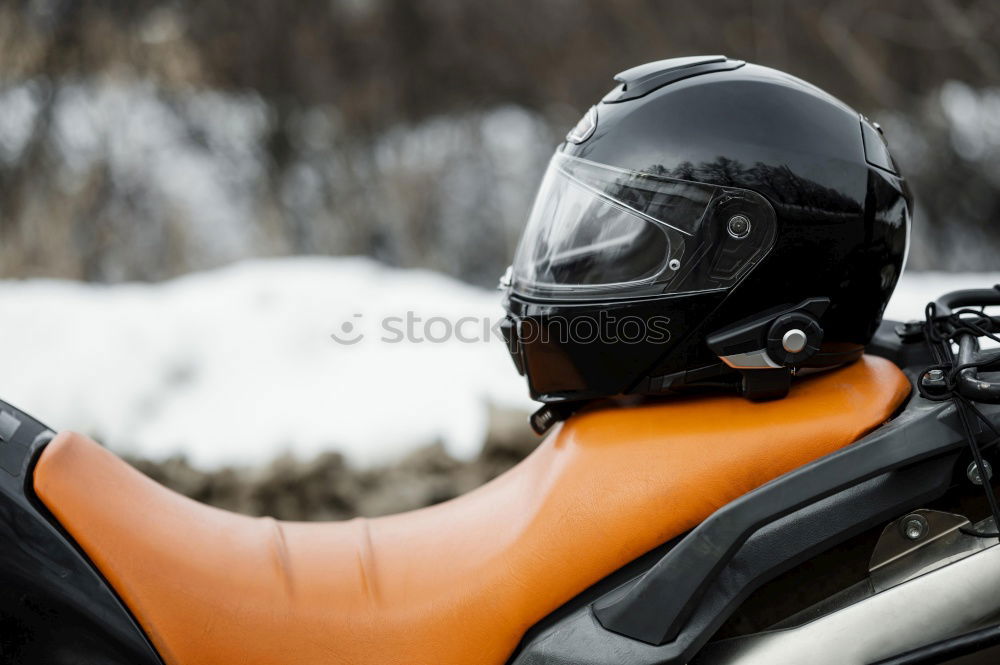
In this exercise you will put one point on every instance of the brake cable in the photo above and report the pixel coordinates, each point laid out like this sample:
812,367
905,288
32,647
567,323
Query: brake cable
939,333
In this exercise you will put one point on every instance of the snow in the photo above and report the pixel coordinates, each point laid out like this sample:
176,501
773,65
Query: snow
916,289
237,365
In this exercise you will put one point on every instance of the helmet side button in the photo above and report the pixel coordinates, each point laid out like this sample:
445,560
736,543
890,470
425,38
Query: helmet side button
794,340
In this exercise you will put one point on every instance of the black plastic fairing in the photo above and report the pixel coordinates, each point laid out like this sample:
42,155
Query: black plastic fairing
665,614
656,608
575,637
55,608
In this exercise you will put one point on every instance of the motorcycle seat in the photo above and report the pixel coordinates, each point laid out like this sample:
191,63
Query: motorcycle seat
458,583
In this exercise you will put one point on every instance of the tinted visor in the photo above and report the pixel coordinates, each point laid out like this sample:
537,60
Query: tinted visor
597,230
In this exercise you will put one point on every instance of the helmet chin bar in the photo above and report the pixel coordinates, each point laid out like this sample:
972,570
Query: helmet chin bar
765,349
768,349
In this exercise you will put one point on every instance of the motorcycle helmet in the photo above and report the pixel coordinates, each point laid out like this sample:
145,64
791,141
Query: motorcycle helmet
709,224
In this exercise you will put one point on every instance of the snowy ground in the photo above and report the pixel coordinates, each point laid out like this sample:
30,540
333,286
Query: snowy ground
238,365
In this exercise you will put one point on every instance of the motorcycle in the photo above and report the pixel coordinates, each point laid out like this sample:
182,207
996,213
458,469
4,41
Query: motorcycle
853,521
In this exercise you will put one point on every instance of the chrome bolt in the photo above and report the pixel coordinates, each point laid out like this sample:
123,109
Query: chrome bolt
674,264
914,527
972,472
793,341
739,226
935,379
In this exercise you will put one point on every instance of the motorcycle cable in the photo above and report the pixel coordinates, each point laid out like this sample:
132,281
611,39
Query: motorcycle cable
940,333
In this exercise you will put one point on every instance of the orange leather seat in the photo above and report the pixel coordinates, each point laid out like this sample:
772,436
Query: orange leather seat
457,583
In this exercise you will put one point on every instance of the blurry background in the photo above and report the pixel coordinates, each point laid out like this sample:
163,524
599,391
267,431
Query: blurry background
144,141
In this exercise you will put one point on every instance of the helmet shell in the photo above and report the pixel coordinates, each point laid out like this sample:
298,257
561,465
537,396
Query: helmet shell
842,210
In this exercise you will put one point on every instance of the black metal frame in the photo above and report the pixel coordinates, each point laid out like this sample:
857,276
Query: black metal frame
969,384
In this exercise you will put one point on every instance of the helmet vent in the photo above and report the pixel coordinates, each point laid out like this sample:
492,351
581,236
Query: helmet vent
644,79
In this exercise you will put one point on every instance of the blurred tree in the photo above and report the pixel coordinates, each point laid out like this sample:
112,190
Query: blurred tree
142,139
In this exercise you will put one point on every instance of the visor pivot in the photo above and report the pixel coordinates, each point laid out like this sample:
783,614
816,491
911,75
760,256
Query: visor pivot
739,226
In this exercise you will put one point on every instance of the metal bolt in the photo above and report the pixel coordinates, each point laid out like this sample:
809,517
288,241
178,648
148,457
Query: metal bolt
674,264
935,375
739,226
911,330
972,472
914,527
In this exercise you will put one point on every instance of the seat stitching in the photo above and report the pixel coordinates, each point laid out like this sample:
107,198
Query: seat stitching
280,555
366,562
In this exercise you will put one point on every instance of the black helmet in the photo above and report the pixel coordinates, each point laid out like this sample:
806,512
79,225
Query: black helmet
709,223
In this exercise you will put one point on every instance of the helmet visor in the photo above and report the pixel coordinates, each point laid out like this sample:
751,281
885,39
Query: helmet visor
597,230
